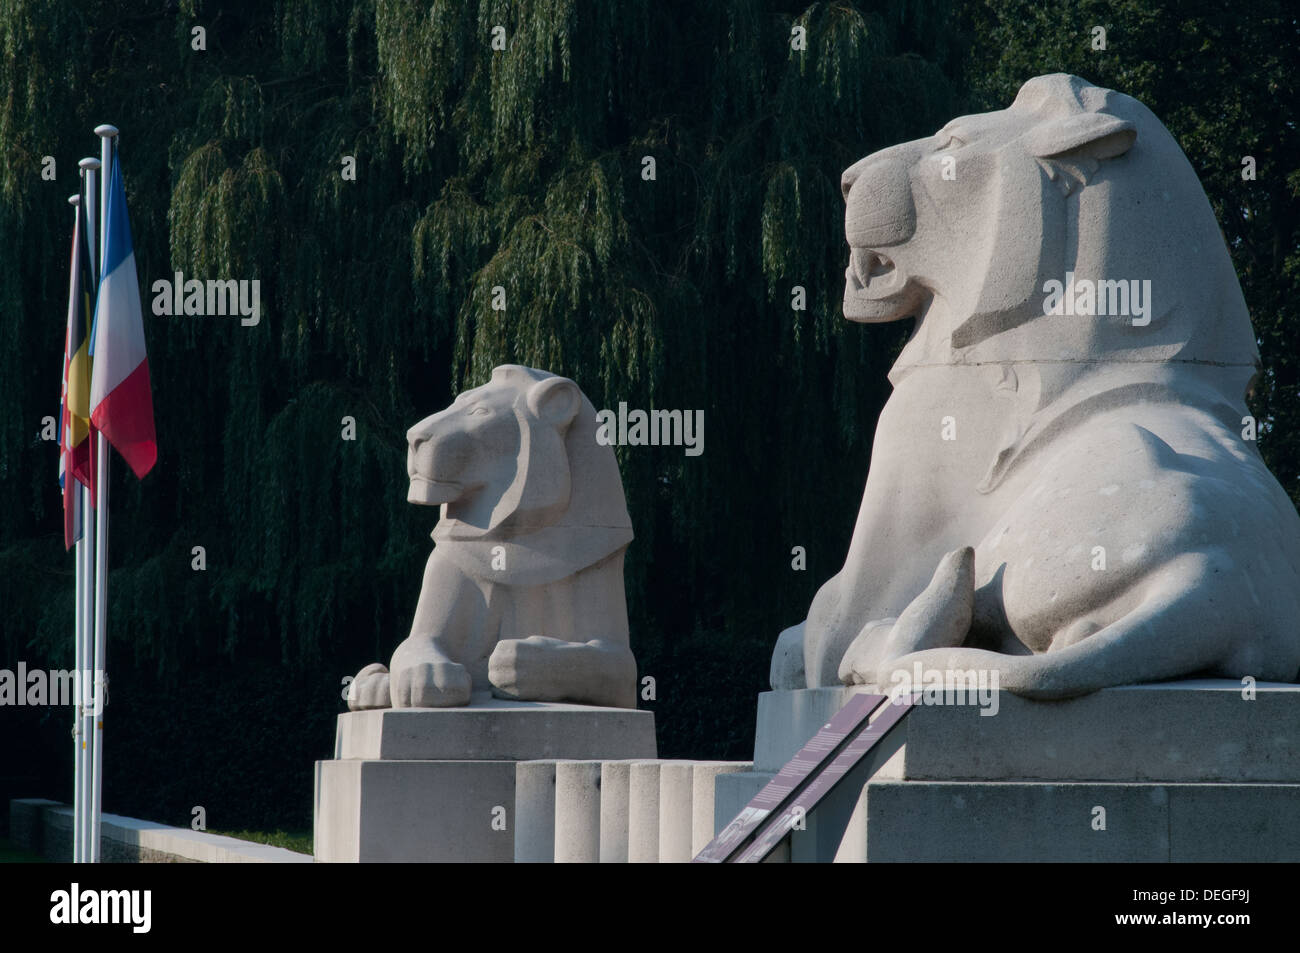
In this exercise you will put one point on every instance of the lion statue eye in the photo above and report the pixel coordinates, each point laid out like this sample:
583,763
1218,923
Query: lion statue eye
477,411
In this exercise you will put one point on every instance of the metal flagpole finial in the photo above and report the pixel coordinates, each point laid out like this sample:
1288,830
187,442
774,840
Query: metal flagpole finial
89,163
74,199
106,131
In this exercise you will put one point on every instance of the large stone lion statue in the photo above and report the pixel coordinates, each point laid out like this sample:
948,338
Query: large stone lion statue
1064,487
523,592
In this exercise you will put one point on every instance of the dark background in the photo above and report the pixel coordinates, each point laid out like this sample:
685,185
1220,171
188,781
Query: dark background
521,168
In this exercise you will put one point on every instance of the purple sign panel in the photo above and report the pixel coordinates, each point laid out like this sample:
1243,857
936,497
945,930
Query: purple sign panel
778,825
832,739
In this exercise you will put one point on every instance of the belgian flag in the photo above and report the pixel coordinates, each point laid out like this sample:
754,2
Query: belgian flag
75,438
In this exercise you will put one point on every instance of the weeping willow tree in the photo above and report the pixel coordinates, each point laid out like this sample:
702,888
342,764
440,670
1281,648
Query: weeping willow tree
653,185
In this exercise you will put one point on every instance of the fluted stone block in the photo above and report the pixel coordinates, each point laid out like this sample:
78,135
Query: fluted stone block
577,812
676,813
535,812
643,812
615,805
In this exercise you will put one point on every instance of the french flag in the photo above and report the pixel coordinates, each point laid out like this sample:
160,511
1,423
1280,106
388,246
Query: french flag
121,405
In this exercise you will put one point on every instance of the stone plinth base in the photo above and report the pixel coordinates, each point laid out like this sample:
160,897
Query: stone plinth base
1029,821
438,784
490,729
1176,771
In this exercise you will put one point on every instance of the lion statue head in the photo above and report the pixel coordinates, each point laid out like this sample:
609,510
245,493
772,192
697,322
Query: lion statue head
964,228
515,458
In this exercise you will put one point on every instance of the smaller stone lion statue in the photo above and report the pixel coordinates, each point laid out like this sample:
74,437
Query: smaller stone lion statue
523,592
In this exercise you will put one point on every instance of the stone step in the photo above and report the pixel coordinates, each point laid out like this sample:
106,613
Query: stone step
1185,731
1198,770
984,821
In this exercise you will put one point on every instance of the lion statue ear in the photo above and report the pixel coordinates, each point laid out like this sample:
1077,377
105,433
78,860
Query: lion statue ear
1081,136
554,400
539,494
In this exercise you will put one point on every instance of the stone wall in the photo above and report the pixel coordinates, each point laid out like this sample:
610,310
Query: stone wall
45,827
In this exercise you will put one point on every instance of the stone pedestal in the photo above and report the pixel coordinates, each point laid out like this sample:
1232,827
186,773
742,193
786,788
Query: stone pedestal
1175,771
438,784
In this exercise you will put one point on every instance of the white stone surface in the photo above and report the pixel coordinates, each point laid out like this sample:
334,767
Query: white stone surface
577,812
535,803
415,811
676,811
497,729
998,822
643,812
1182,731
433,804
533,516
1070,500
615,794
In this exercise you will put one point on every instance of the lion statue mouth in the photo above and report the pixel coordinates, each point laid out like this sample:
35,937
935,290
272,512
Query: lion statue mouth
875,289
426,492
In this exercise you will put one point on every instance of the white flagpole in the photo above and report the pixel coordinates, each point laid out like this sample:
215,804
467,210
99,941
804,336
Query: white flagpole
86,558
106,134
86,668
78,552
